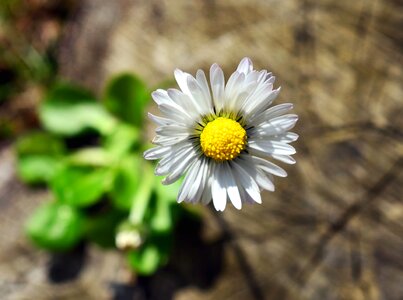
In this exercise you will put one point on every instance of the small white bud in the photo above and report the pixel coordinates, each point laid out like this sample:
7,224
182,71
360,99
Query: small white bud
128,240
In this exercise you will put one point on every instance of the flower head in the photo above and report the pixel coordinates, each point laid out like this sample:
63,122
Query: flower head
219,135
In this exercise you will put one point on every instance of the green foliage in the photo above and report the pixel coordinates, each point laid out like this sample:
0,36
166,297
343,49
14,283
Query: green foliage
155,250
55,226
123,139
103,189
126,182
39,155
37,169
94,156
166,209
126,97
69,110
80,186
147,260
162,215
39,143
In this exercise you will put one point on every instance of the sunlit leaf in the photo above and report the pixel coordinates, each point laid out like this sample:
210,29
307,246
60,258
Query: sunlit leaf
122,139
162,218
37,169
127,180
55,226
94,156
153,254
81,186
39,155
168,192
126,97
146,260
166,209
69,110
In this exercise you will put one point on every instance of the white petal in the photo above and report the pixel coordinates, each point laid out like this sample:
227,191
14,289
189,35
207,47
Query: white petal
277,125
156,153
170,162
231,186
260,177
173,111
179,169
264,181
284,158
269,167
261,101
217,86
188,182
185,101
270,113
173,130
207,196
161,97
169,140
198,184
201,102
271,147
218,190
202,81
160,120
248,183
256,77
196,89
270,79
232,83
259,95
287,137
181,79
245,66
233,89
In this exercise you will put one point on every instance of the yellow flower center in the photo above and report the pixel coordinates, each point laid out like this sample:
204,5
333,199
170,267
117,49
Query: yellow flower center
223,139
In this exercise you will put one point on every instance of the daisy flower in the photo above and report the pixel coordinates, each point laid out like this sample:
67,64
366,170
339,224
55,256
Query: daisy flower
219,135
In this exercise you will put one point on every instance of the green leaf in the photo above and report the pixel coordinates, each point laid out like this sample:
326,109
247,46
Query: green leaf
164,210
167,192
162,219
126,97
69,110
55,226
81,186
153,254
39,156
39,143
96,157
126,184
36,169
146,260
123,139
101,229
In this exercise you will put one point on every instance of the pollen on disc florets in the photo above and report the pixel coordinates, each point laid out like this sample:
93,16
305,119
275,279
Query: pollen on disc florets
223,139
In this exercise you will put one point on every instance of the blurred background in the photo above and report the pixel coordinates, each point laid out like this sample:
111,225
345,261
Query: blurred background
333,229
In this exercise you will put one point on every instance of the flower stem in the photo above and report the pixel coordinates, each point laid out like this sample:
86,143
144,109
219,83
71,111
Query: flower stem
142,197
